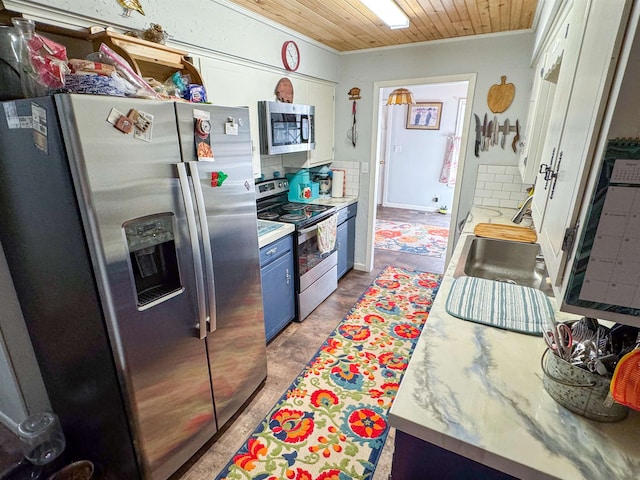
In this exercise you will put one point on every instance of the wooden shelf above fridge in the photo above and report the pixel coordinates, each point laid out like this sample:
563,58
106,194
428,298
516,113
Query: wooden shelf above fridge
148,59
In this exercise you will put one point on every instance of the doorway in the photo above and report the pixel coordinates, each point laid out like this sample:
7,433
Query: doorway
382,143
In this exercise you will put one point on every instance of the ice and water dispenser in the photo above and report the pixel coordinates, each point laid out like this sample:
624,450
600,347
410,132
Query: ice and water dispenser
153,257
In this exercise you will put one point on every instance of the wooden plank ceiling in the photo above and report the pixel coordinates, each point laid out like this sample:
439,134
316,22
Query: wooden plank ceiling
347,25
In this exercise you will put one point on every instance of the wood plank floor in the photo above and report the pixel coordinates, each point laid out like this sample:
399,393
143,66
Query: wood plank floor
288,353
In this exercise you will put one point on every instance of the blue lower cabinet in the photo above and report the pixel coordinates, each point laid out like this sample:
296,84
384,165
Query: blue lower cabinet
346,238
278,285
415,459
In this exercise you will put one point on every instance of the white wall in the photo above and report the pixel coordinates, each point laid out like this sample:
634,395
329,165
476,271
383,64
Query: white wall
487,56
416,157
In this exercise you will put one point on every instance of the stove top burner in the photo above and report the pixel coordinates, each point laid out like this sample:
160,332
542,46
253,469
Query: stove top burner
293,217
316,208
268,216
293,206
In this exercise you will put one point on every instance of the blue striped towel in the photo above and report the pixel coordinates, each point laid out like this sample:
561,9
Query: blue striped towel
500,304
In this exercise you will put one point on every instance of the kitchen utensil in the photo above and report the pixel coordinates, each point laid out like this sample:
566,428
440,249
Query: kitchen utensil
485,126
505,132
478,135
579,390
505,232
559,340
514,144
625,384
354,133
500,96
487,139
496,131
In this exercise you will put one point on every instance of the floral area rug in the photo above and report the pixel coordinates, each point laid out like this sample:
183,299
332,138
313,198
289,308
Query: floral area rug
331,423
411,238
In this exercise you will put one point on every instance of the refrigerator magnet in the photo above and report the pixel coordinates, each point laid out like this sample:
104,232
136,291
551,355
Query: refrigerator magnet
146,120
39,119
218,178
202,135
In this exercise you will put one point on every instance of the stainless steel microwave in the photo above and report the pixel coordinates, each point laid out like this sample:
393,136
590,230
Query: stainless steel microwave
286,127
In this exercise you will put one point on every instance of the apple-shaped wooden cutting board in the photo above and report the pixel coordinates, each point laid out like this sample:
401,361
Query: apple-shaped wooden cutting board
500,96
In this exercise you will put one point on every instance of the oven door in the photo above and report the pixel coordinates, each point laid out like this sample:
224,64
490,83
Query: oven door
312,263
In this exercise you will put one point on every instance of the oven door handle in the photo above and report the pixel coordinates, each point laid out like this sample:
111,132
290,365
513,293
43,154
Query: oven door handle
304,231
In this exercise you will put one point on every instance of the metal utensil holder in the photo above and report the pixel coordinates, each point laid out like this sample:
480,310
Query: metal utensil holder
579,390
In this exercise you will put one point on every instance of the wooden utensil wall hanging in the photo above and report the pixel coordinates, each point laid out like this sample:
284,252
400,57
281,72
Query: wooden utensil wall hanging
501,95
354,94
284,90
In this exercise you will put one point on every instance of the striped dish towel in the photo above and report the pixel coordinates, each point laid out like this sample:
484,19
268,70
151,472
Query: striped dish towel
499,304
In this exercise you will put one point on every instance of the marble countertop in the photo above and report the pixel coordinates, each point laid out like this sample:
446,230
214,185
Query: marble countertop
477,391
337,202
273,231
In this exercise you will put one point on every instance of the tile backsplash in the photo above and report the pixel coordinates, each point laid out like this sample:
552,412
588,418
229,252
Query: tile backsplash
499,186
273,163
352,170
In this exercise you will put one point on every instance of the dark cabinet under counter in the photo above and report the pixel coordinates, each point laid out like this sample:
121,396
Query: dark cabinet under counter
346,238
278,285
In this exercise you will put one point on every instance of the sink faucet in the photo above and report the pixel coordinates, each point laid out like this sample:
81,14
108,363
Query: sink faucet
526,207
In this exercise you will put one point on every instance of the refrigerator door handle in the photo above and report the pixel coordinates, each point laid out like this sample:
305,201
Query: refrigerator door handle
208,256
195,247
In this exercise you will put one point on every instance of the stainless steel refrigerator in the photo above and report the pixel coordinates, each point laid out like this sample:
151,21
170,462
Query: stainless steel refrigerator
137,270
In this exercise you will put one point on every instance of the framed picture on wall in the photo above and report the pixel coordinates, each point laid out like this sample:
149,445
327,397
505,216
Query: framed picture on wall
424,115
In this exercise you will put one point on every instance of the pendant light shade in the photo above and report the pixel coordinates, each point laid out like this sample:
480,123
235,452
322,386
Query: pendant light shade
400,96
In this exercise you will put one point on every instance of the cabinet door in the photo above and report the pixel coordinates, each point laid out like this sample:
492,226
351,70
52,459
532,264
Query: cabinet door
577,143
342,240
351,242
239,85
278,294
346,239
320,95
558,75
540,105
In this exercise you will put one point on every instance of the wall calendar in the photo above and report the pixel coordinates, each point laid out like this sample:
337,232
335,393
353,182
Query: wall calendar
606,272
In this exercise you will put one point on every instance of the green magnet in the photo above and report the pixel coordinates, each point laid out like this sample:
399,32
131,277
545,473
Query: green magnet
218,178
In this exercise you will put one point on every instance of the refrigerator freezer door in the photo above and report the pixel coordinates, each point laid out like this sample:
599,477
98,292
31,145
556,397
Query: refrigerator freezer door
237,348
136,224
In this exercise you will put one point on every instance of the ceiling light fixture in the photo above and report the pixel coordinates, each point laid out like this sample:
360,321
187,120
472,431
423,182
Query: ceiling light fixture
389,12
400,96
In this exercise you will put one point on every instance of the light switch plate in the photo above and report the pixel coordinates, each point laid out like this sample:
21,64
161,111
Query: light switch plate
364,168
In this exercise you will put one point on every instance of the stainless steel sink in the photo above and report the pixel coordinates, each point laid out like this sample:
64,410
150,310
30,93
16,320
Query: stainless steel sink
505,261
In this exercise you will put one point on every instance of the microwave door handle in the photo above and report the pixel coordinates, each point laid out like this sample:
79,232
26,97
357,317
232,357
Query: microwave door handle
304,125
195,248
206,244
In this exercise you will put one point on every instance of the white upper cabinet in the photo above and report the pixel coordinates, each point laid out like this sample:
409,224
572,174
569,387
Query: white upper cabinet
322,97
235,84
580,73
